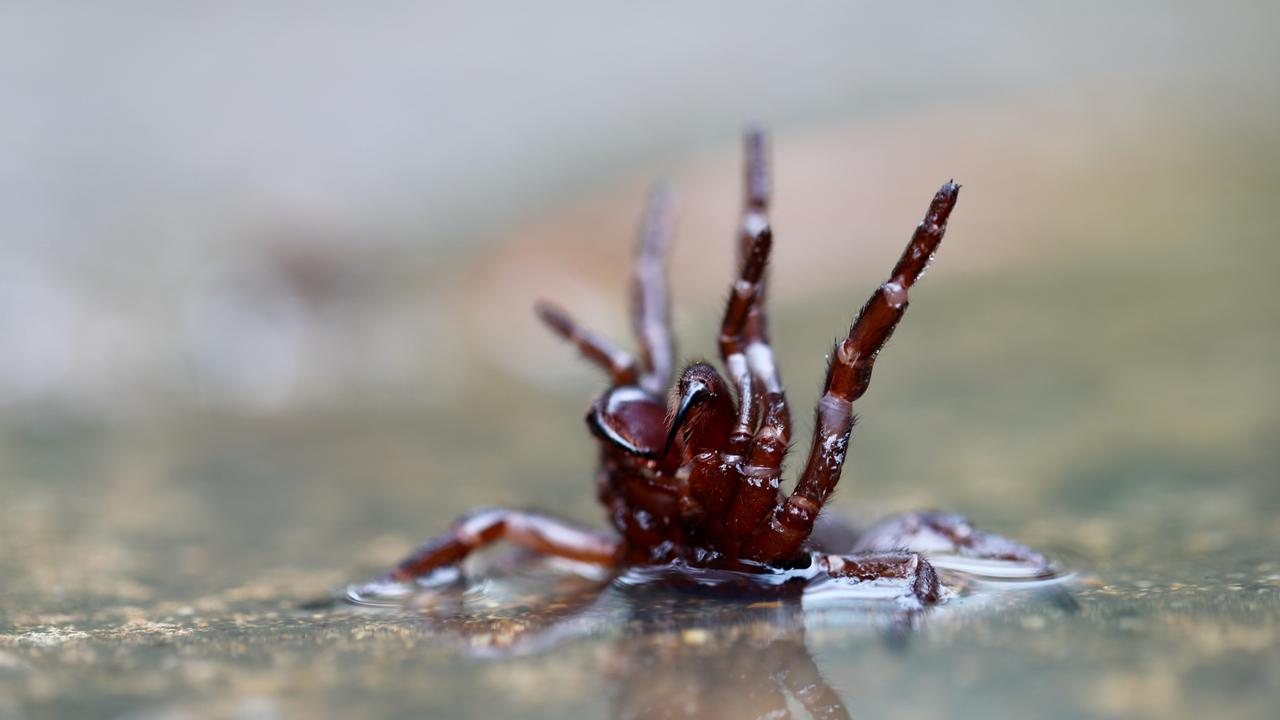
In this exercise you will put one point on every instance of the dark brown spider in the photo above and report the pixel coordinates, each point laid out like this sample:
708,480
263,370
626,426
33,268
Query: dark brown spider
691,476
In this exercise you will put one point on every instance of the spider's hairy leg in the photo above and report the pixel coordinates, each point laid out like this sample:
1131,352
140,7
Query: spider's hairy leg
533,531
742,296
908,566
761,474
755,214
847,379
600,352
755,190
650,314
757,453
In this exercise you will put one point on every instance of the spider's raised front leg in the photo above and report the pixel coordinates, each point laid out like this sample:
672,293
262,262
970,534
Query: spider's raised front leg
760,440
755,336
742,297
757,445
600,352
650,315
530,530
932,532
848,376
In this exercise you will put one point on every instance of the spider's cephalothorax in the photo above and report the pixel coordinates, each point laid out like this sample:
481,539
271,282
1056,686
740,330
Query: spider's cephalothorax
692,473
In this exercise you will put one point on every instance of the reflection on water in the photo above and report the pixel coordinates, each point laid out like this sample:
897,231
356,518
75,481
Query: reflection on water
720,661
685,642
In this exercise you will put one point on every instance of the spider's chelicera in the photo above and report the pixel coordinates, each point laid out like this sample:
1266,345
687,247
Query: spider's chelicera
690,474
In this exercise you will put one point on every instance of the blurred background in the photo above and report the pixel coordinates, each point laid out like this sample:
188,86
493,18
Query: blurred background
266,272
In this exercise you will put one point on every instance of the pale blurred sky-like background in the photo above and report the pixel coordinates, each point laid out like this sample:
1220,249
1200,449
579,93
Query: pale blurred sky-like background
269,205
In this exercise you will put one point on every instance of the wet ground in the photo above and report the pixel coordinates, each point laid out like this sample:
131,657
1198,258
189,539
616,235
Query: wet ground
132,600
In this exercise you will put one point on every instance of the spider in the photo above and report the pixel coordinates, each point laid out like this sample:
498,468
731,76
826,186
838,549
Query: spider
690,473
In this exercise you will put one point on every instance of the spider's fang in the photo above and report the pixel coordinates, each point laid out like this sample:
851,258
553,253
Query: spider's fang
694,392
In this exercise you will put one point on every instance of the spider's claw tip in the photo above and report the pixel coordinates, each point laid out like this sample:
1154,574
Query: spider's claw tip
947,195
